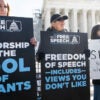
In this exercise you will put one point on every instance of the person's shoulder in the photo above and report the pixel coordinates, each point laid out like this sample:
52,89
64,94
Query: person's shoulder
49,29
65,30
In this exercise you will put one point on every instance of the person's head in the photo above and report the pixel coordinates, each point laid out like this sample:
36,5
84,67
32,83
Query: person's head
95,34
4,8
57,21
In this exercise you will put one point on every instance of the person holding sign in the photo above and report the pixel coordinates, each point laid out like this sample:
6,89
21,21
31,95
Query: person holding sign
5,10
57,23
16,56
57,26
95,34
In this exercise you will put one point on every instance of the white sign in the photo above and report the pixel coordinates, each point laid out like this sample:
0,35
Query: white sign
94,46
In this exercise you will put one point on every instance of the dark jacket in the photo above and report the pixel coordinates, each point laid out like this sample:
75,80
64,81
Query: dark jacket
94,35
40,54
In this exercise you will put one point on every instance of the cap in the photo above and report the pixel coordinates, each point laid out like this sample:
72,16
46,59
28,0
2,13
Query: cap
58,17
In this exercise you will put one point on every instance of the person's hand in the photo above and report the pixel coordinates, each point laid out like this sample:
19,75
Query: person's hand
33,41
87,52
40,56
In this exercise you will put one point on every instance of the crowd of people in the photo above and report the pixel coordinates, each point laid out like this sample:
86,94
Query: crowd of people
57,26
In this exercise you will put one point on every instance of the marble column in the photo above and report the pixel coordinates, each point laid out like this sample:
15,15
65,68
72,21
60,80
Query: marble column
57,11
66,11
47,18
84,21
93,17
74,20
97,17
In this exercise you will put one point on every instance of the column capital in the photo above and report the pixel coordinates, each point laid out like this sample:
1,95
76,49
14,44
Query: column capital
93,10
47,9
84,10
75,10
66,11
57,10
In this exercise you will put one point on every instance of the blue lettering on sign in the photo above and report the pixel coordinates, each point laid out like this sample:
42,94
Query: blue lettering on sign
5,65
78,84
57,78
79,77
3,78
13,87
54,86
14,66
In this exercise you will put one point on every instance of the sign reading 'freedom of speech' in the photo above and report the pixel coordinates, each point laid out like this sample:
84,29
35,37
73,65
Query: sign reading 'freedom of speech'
17,63
65,69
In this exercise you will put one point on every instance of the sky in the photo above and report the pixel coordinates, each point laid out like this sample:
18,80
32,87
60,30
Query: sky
24,8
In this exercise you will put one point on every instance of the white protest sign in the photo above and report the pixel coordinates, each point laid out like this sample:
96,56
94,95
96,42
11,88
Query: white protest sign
94,46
